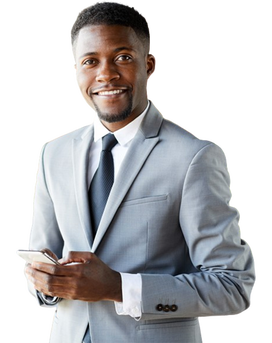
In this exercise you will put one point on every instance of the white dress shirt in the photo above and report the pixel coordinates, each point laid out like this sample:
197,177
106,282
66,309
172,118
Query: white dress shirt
131,283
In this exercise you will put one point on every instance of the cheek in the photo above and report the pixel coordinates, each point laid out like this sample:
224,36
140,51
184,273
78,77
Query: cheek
140,84
84,82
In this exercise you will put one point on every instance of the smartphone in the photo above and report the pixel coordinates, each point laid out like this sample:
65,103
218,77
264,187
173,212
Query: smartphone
36,256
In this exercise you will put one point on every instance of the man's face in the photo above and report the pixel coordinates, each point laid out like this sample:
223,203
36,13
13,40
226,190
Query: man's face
112,72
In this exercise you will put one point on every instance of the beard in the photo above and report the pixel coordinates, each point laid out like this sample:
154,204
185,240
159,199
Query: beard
116,117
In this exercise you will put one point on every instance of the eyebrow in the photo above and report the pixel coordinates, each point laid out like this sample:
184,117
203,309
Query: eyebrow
93,53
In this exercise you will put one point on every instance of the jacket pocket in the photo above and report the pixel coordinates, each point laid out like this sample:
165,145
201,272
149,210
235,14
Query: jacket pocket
174,331
157,324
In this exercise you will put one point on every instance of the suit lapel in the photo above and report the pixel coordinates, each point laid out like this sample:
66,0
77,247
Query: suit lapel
81,148
141,146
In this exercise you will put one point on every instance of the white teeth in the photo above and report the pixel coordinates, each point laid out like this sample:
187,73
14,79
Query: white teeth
116,91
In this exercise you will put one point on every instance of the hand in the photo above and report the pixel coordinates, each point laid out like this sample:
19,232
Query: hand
88,280
28,280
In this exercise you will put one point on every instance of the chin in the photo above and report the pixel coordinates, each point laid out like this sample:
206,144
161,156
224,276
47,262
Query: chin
114,117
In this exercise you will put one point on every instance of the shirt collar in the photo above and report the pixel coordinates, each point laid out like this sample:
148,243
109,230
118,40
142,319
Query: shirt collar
124,135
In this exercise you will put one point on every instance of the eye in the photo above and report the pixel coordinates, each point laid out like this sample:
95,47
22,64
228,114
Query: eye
124,58
89,61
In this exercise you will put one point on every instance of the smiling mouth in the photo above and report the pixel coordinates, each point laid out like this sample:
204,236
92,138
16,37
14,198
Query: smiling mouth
111,92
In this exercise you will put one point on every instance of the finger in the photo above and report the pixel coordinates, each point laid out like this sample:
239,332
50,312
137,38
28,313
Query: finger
48,284
77,256
38,277
35,277
57,270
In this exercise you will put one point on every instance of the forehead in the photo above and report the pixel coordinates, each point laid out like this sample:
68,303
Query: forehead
104,38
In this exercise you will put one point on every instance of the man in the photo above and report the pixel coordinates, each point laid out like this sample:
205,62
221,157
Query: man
166,248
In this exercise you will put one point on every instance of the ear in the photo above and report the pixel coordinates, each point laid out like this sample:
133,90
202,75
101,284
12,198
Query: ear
152,69
150,64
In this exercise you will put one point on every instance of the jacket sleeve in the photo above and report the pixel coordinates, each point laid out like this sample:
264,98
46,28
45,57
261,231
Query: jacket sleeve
45,232
224,264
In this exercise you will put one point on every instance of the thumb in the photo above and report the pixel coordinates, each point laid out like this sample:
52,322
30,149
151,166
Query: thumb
77,257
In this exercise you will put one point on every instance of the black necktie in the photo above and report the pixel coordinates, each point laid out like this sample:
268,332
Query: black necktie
102,181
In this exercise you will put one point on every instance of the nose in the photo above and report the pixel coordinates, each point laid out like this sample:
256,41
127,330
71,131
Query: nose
107,73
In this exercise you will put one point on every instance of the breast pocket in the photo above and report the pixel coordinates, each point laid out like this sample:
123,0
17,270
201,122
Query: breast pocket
145,200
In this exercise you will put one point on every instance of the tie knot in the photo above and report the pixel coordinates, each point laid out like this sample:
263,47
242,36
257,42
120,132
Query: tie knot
108,142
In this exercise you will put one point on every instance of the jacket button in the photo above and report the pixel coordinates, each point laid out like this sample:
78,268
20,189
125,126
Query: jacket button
166,308
159,307
174,308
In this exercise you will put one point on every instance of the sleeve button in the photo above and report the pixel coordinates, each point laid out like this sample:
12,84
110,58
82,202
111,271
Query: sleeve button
159,307
166,308
174,308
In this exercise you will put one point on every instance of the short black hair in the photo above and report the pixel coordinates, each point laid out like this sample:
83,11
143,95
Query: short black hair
111,13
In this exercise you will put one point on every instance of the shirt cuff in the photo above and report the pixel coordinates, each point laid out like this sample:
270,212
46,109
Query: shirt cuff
132,296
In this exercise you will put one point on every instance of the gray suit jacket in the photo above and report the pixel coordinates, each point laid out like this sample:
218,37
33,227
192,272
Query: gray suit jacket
167,217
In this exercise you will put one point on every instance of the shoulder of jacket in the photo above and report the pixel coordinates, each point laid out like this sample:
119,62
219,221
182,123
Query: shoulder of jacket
66,135
181,133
